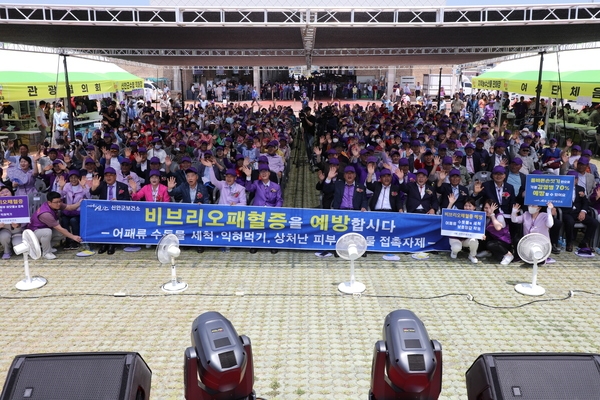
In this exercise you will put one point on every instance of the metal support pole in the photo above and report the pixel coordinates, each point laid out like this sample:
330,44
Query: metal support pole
439,100
68,101
538,93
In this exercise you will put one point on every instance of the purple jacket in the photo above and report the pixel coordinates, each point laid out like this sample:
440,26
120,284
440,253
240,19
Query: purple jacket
72,195
35,223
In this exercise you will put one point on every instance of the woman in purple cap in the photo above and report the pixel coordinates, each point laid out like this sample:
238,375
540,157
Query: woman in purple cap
72,192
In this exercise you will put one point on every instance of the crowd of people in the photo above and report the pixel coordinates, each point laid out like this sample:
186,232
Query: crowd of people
414,159
382,157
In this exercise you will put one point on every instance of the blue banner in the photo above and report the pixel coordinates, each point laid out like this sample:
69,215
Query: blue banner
540,189
14,209
463,223
133,222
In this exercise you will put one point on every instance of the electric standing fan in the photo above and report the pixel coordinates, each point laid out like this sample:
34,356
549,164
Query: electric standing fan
167,251
532,249
350,247
30,247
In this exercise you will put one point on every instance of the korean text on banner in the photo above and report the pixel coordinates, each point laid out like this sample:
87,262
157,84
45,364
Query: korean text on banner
132,222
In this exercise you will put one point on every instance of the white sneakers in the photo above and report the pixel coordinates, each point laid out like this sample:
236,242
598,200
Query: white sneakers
453,254
49,256
507,259
473,259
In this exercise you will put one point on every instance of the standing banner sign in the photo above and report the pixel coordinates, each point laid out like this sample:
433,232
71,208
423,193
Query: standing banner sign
540,189
132,222
463,223
14,210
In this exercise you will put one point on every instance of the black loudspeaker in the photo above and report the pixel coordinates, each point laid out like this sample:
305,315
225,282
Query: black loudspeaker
534,376
78,376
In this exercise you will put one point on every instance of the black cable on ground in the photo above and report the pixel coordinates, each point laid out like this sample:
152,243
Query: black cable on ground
468,296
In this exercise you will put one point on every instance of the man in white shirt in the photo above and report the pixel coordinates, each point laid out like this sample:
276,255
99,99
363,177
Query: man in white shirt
58,124
40,117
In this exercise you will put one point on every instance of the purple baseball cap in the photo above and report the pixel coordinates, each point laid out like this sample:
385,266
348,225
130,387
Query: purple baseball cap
422,171
455,172
349,168
517,161
110,170
498,170
231,171
385,171
155,160
154,172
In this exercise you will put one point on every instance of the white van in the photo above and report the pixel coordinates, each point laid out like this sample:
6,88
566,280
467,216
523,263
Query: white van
152,92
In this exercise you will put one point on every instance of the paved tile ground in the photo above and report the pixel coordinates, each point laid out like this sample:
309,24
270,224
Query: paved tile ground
309,341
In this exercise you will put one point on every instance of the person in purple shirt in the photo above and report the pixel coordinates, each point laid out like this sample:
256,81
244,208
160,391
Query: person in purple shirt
276,163
44,223
232,193
72,192
497,240
266,193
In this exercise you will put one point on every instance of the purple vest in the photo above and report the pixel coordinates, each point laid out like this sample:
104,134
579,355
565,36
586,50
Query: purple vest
503,234
35,223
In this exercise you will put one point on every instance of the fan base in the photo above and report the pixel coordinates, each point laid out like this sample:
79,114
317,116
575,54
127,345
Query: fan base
530,290
352,287
29,284
170,287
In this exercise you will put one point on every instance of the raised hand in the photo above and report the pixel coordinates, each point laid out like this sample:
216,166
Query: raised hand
318,151
400,174
133,185
247,170
95,182
333,170
168,161
451,200
442,175
171,183
437,160
516,207
321,175
205,162
493,208
61,181
371,168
